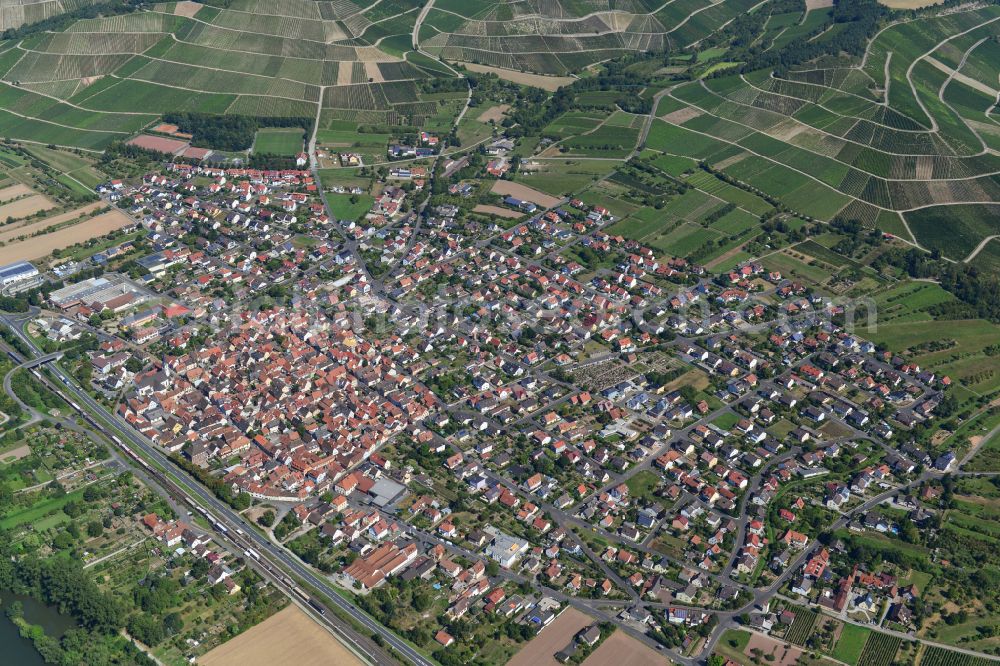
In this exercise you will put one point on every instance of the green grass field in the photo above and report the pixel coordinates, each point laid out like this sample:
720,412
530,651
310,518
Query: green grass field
605,141
909,301
793,267
564,176
285,141
643,484
640,224
726,421
343,208
850,643
987,459
37,510
352,139
965,358
732,645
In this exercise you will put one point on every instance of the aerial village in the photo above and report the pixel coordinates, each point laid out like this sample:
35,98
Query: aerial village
430,396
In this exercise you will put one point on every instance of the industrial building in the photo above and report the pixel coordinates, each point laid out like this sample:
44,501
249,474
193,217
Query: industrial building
19,276
110,291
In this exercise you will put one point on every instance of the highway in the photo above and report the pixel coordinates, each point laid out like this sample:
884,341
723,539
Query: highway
237,528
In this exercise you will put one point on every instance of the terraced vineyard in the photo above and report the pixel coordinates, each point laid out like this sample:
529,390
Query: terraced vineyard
104,78
552,37
16,14
905,138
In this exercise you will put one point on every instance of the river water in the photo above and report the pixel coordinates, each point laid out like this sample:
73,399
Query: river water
20,651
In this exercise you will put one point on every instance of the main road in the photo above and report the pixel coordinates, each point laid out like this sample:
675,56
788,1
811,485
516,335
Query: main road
238,529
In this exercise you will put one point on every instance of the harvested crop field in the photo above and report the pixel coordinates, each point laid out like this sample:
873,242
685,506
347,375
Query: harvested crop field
9,233
287,632
25,207
540,649
524,193
620,649
14,191
494,113
681,116
344,76
373,73
187,8
550,83
160,144
40,246
497,210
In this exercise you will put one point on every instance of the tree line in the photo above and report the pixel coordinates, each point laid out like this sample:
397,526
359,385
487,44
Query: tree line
862,19
538,108
60,22
62,583
978,291
229,132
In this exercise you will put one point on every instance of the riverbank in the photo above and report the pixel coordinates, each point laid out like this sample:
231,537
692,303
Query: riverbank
18,649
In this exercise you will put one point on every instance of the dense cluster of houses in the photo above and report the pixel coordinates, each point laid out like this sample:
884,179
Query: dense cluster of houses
294,396
535,392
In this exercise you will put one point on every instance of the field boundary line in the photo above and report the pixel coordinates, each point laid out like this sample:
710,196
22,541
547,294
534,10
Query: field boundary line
947,82
721,27
769,159
232,71
873,175
838,114
909,70
70,127
248,32
983,243
4,82
259,54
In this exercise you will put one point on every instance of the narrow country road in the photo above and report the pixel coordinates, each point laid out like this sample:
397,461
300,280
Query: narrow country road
419,22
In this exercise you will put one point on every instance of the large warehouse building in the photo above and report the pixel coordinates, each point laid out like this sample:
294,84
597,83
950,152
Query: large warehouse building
17,276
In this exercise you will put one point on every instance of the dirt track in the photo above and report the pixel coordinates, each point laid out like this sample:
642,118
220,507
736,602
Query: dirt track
784,655
187,8
160,144
681,116
289,636
550,83
22,451
373,72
